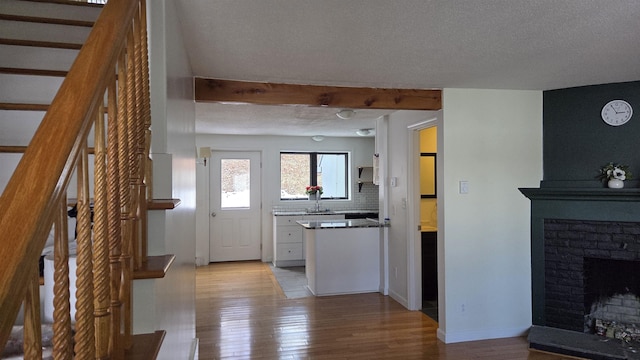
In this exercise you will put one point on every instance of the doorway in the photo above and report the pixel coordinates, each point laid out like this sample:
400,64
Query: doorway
428,214
235,219
425,213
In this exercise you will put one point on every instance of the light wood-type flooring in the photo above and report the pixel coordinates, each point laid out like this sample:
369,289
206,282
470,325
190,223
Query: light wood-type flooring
241,313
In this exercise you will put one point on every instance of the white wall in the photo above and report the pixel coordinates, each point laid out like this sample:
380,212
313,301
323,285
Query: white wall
361,149
395,165
493,140
169,303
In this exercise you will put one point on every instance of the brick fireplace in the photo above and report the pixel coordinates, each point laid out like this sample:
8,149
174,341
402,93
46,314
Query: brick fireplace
585,248
591,272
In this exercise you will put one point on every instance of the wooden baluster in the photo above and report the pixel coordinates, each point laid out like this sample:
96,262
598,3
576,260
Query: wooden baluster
32,329
62,341
146,104
141,121
100,245
115,107
85,332
125,198
132,141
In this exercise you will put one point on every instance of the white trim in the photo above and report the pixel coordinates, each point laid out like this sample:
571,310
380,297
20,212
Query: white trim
482,334
193,352
414,244
399,298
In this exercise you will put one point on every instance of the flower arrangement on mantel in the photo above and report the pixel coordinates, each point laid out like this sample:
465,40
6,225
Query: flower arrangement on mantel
313,189
615,174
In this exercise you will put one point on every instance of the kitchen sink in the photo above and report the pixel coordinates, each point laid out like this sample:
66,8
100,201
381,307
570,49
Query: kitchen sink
318,211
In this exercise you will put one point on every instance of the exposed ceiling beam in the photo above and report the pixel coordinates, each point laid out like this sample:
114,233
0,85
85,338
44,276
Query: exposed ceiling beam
216,90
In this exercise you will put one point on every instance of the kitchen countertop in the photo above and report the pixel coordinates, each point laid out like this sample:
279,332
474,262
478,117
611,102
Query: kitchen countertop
339,224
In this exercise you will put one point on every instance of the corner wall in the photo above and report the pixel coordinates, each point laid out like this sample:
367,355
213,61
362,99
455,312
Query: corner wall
169,303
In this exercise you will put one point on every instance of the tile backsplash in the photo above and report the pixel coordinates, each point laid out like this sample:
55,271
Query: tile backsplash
365,199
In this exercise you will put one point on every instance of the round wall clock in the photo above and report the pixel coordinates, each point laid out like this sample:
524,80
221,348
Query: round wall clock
617,112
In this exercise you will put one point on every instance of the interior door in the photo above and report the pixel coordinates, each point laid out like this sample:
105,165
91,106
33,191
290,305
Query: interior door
235,221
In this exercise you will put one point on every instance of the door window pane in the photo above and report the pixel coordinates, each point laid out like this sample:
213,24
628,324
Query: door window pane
235,179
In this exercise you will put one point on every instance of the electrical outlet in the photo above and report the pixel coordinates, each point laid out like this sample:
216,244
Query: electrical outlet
396,271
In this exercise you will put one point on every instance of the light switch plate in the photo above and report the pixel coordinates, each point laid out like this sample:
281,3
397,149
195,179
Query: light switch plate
464,187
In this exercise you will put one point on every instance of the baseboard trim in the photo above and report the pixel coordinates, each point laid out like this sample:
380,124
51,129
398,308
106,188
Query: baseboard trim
481,334
399,298
193,353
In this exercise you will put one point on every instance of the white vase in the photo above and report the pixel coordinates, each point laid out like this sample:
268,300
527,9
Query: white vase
615,184
313,196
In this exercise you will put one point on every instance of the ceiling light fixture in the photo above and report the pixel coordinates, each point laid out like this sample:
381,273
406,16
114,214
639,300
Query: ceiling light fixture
364,132
317,138
345,114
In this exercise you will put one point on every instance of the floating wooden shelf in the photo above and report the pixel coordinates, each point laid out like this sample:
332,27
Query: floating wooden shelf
146,346
367,180
155,204
156,267
163,204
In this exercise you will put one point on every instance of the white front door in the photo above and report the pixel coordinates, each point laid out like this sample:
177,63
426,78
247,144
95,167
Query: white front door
235,206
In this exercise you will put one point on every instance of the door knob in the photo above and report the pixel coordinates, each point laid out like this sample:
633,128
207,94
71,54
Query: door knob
213,214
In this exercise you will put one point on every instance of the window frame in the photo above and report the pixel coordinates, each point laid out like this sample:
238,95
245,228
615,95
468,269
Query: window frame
313,174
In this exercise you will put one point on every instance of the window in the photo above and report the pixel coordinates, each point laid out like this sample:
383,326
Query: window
301,169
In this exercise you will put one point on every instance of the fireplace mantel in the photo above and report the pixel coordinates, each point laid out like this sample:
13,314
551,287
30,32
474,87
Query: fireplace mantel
582,194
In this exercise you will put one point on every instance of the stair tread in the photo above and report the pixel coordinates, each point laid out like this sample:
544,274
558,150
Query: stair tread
46,20
74,11
69,2
37,72
156,267
163,204
24,106
146,346
49,44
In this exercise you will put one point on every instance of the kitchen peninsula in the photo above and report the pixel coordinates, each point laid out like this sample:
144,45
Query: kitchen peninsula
342,255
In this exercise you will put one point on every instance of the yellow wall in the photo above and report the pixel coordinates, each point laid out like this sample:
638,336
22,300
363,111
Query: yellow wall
428,210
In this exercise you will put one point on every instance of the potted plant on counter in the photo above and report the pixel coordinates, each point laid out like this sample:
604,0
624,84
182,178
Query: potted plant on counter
314,192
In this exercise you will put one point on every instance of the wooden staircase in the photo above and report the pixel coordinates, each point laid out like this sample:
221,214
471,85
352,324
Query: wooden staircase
60,108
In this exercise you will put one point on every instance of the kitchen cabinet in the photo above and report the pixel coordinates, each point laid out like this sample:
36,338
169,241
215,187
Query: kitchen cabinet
343,257
288,240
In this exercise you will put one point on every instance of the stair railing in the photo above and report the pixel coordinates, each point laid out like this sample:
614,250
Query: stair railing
107,88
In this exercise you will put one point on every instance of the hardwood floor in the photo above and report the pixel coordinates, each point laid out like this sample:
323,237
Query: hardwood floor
241,313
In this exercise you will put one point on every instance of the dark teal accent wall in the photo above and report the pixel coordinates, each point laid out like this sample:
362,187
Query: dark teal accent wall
576,142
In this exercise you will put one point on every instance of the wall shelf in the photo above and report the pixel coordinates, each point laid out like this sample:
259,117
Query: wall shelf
365,176
156,267
163,204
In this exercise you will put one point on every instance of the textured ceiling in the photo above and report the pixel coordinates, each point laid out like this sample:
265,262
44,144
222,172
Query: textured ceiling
493,44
